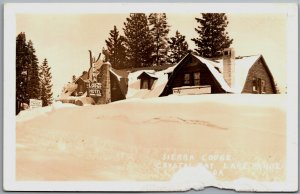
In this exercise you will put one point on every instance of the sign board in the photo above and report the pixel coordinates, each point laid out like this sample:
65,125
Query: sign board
95,89
34,103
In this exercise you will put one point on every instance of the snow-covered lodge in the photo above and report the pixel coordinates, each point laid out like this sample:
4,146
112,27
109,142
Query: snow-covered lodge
191,76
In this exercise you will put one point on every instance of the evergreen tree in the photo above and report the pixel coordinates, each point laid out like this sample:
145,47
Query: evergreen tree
46,86
138,40
116,49
213,38
22,65
33,73
27,78
178,48
159,29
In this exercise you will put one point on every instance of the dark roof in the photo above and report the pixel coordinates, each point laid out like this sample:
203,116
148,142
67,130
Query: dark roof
148,75
120,72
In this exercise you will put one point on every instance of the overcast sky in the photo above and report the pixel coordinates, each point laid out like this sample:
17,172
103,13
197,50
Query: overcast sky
65,39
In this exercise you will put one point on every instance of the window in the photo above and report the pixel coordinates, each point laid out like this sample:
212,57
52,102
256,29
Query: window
226,53
258,86
197,79
263,86
254,85
144,84
187,79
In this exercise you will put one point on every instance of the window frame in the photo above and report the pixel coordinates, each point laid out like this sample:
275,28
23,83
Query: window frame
198,79
187,81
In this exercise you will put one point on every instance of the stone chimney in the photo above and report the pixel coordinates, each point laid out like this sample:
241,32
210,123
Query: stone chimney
104,79
229,66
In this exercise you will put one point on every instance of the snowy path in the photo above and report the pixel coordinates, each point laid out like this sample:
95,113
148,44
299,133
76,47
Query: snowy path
152,139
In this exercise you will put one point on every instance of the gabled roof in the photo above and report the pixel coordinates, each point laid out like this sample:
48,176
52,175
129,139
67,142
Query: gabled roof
217,75
134,90
242,67
149,74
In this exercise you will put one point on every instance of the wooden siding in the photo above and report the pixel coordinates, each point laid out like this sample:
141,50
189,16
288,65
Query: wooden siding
192,65
259,70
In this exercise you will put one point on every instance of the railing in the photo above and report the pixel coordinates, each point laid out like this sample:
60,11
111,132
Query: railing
192,90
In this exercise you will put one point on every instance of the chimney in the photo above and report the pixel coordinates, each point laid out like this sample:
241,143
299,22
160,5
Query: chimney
229,66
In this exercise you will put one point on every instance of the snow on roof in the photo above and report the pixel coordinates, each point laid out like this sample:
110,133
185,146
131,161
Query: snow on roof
219,77
171,69
150,74
242,67
134,90
68,90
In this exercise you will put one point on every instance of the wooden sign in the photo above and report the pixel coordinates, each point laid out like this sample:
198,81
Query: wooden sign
34,103
95,89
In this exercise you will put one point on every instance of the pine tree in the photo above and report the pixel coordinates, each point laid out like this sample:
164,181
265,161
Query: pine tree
46,86
27,78
138,40
116,49
22,65
213,38
178,48
159,29
33,73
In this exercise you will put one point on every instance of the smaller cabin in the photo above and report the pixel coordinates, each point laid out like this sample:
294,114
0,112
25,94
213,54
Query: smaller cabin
147,80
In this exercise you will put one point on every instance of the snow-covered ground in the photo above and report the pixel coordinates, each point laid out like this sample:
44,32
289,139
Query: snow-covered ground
232,136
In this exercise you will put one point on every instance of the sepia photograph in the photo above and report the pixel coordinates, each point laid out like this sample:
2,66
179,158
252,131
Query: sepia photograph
150,97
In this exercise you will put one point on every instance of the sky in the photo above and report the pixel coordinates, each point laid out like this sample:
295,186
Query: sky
64,39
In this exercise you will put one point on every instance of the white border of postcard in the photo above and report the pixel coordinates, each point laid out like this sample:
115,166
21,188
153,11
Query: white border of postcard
10,11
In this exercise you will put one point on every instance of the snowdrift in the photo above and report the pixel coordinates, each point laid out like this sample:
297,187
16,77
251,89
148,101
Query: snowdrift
229,136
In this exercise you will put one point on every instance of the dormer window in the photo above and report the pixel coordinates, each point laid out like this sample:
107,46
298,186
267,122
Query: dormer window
147,80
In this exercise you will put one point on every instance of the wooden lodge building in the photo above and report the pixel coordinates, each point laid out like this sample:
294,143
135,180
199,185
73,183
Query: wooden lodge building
191,76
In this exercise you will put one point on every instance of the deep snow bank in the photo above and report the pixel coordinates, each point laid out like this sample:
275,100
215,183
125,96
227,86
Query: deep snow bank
232,136
36,112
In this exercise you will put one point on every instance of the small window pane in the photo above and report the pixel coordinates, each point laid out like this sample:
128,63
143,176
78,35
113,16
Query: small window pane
254,85
186,78
263,86
197,78
197,75
144,84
